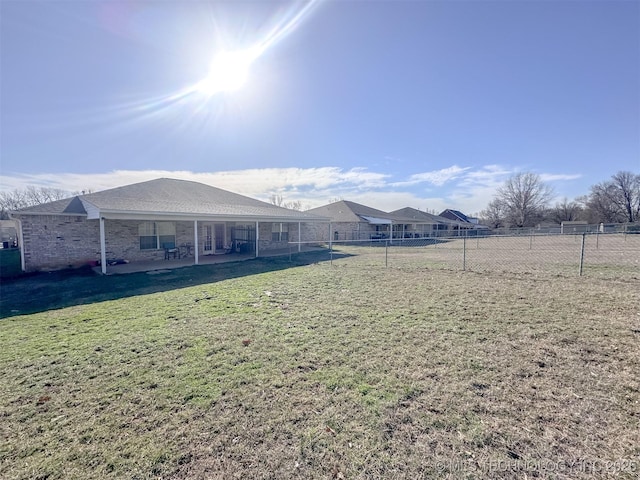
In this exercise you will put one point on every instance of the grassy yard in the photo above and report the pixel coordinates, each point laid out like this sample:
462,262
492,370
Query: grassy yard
320,371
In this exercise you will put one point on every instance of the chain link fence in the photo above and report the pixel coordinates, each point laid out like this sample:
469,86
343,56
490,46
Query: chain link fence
606,255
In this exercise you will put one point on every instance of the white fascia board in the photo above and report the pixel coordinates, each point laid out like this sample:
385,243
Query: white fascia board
16,214
417,221
162,216
93,212
377,221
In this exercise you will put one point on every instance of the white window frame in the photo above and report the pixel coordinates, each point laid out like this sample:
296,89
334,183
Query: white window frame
277,231
157,230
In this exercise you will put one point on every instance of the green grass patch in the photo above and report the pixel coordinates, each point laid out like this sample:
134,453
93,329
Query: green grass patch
325,371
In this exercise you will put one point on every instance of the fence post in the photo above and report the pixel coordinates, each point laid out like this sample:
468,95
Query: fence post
597,237
330,253
386,253
584,235
530,240
464,253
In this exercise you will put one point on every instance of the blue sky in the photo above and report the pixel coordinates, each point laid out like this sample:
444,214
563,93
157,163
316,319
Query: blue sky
429,104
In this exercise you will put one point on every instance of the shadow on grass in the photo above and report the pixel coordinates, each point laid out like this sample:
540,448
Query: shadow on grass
47,291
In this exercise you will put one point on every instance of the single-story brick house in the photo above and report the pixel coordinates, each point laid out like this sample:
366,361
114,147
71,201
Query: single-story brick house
426,224
354,221
150,220
438,225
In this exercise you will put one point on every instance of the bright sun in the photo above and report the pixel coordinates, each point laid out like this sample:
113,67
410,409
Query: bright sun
229,71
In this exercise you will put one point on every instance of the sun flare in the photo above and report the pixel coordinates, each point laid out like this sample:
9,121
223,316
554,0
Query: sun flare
230,68
229,71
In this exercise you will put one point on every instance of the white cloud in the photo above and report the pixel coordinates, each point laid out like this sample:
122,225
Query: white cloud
550,177
487,176
463,188
435,177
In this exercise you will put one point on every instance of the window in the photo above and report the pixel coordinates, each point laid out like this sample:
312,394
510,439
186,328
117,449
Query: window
147,233
280,232
154,235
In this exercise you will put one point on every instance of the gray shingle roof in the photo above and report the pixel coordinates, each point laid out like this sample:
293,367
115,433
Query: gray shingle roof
345,211
170,196
420,216
67,206
454,215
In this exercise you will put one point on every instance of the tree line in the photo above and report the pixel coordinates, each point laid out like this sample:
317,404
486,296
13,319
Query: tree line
525,200
29,196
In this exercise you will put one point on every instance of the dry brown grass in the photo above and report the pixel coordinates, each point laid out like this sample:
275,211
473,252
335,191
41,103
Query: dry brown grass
344,371
615,256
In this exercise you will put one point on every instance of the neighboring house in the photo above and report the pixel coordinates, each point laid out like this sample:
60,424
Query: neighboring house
426,224
354,221
8,234
147,220
464,222
454,215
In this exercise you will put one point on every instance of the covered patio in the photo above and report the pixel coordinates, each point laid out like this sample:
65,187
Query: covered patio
173,263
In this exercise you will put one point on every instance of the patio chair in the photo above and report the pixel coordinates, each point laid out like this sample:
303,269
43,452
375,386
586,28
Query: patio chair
170,249
186,248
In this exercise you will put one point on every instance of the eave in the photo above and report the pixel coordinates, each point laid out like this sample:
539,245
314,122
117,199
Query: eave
179,216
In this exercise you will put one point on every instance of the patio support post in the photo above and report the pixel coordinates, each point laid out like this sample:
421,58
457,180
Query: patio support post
299,236
257,237
103,248
195,241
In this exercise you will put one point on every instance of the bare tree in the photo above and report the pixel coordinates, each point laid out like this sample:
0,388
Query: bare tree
278,201
523,198
39,195
27,197
616,200
494,215
294,205
628,198
12,200
565,211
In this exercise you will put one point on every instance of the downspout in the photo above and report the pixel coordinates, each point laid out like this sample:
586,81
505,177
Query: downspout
103,248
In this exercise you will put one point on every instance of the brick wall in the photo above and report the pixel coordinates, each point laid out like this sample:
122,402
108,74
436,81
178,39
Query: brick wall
314,232
265,242
52,242
55,242
123,242
346,231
